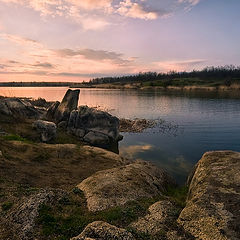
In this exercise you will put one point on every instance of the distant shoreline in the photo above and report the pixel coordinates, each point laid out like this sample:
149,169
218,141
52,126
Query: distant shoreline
126,86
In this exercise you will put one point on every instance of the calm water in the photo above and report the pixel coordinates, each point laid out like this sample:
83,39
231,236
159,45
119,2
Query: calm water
193,124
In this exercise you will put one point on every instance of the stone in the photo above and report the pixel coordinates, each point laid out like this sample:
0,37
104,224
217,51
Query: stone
47,130
18,108
68,104
96,138
1,155
160,218
23,217
212,210
100,127
62,125
117,186
100,230
160,222
51,111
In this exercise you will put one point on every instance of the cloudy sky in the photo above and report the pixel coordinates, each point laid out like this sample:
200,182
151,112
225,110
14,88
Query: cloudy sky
75,40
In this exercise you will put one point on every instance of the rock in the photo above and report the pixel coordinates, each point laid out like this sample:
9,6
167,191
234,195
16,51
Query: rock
160,218
51,111
95,138
62,124
23,218
160,222
212,210
100,127
1,155
103,231
116,186
68,104
17,108
48,130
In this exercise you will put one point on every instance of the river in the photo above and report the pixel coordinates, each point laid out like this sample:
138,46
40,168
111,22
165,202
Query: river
189,124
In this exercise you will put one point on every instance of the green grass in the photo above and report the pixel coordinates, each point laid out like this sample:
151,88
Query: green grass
15,137
70,216
177,195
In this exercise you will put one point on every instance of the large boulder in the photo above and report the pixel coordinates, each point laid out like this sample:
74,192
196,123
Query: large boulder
97,127
17,107
117,186
47,130
213,209
101,230
61,111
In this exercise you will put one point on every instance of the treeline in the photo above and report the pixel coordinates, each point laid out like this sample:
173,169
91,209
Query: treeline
35,84
225,73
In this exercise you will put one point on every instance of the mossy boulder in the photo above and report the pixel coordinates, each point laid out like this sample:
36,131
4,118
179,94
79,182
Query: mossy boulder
117,186
213,211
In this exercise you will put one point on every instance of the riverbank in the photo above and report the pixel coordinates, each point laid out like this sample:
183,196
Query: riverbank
67,190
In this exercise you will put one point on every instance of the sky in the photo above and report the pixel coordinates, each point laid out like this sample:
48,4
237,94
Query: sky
76,40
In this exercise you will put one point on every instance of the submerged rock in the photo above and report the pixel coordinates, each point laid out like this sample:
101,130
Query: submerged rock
47,130
101,230
136,125
213,211
18,108
97,127
117,186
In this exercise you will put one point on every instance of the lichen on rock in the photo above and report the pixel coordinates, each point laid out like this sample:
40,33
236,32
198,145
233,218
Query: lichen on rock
213,210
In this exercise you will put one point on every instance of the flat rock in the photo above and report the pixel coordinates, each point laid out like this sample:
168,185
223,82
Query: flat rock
23,217
117,186
47,130
103,231
18,108
213,211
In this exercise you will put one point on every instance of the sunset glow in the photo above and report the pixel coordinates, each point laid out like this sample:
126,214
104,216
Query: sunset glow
76,40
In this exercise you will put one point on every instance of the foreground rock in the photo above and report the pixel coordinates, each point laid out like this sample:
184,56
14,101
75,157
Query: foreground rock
16,107
213,210
47,130
23,218
119,185
101,230
94,126
160,222
159,219
61,111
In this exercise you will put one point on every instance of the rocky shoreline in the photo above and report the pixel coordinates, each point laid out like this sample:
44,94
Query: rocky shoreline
54,186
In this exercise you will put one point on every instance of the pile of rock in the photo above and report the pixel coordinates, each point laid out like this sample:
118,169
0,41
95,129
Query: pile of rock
90,125
94,126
